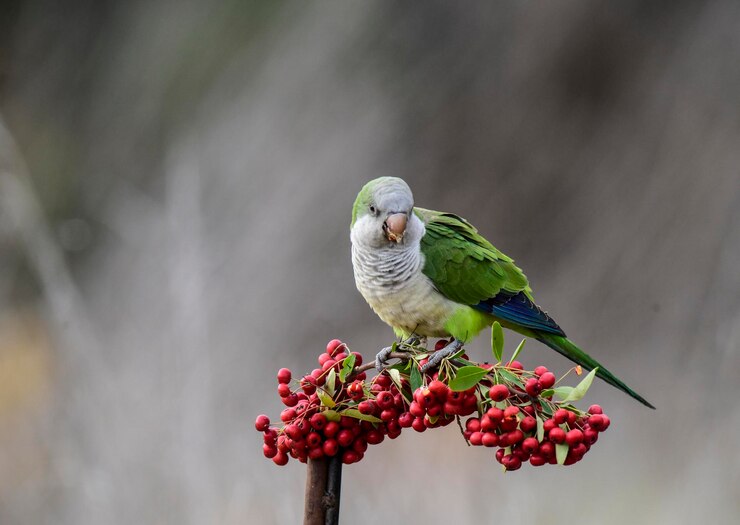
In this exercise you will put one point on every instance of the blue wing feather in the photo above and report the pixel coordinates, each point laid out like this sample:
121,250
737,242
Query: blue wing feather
519,309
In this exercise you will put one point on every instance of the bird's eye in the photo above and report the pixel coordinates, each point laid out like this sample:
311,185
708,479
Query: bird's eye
372,209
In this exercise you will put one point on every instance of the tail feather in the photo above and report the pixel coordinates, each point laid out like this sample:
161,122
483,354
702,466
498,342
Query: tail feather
565,347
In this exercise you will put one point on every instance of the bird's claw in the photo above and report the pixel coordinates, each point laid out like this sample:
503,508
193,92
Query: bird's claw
436,358
381,357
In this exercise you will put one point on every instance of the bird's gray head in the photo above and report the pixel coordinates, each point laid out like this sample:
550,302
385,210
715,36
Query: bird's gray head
382,215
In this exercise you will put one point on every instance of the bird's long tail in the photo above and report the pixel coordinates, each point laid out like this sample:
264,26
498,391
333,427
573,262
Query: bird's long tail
565,347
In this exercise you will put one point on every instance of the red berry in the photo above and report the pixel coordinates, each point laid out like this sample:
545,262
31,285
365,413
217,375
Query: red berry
496,414
549,424
540,370
313,440
345,437
547,449
533,387
315,453
487,424
547,380
284,390
405,420
511,412
500,455
515,436
374,437
349,457
367,407
516,365
287,414
476,438
270,436
573,437
330,447
333,347
596,422
439,389
319,375
489,439
331,429
290,401
528,424
270,451
498,392
284,375
530,445
418,424
590,436
318,421
308,384
359,445
473,424
509,424
388,414
607,421
536,460
560,416
595,409
557,435
384,399
293,432
439,345
328,364
511,462
281,458
262,423
323,358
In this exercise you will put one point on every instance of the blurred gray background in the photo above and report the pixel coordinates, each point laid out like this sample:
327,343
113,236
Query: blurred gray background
176,182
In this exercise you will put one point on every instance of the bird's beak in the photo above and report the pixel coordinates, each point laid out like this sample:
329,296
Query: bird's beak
395,226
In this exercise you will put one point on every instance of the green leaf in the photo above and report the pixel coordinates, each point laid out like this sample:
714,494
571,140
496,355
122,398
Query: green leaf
562,391
330,384
511,378
332,415
466,377
396,377
561,452
540,429
497,341
518,349
547,392
353,412
580,390
415,378
325,398
347,367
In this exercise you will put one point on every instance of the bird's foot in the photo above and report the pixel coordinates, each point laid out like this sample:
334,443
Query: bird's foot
381,357
436,358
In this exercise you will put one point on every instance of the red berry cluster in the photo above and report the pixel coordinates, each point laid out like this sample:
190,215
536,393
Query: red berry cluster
342,418
335,411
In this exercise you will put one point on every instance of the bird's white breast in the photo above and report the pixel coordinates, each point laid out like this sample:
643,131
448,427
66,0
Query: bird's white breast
392,282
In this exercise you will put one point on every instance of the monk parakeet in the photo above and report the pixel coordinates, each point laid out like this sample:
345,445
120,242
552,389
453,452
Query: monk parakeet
431,274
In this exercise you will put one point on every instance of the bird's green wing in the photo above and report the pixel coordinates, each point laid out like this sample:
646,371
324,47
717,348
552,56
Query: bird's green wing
463,265
468,269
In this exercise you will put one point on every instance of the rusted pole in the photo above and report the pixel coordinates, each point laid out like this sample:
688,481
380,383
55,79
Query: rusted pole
323,487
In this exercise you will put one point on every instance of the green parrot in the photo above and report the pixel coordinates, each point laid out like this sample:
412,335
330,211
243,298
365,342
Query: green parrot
431,274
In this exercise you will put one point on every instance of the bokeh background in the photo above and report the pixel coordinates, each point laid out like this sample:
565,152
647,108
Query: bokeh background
176,180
